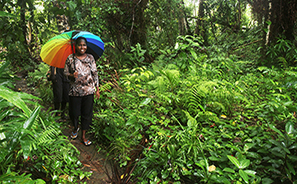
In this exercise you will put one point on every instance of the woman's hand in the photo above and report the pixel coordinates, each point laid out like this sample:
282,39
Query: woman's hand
75,74
97,93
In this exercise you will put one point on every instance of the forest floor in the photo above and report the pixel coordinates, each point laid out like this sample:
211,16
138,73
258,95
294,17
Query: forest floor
92,160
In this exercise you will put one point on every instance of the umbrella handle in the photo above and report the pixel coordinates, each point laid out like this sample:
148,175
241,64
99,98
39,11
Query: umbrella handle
73,54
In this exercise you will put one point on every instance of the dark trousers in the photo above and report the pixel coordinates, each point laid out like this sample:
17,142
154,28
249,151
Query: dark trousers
60,90
81,106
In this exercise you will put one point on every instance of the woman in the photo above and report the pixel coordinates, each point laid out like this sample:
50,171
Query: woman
82,71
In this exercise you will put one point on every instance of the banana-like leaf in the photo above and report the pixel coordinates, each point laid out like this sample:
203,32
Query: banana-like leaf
14,98
17,135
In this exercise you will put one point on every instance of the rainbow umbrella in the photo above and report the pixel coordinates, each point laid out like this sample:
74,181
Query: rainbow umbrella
55,51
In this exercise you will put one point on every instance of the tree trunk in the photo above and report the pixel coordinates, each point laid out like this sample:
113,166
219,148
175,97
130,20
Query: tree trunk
283,19
200,24
23,24
138,28
183,24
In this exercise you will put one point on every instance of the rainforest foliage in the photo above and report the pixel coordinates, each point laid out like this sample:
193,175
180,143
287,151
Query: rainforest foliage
191,91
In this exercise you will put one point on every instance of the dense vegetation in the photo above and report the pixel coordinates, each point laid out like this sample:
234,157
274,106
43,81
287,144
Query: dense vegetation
190,94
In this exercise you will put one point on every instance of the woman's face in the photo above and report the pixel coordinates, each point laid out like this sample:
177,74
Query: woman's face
81,47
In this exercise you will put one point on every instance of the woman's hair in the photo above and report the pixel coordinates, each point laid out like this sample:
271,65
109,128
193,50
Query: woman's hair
80,38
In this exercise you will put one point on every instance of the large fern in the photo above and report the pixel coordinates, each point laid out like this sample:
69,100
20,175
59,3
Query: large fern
213,96
195,98
167,80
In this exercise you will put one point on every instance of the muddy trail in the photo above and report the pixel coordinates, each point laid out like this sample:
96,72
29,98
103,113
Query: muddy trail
92,160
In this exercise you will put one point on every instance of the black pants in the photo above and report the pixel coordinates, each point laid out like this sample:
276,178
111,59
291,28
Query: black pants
60,90
81,106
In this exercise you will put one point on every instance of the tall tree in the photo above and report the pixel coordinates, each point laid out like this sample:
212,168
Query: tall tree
278,18
281,13
126,23
200,23
183,23
283,19
20,43
61,19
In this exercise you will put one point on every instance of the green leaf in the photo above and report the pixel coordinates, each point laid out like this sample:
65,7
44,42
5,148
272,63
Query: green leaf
5,14
212,158
289,128
234,147
194,55
234,161
39,181
294,146
293,158
267,181
248,146
28,124
250,172
291,168
17,136
131,121
145,102
244,163
253,155
25,147
276,130
244,176
127,111
222,180
277,151
227,169
13,98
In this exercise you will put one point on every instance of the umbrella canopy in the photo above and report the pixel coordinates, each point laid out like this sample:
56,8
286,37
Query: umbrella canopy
55,51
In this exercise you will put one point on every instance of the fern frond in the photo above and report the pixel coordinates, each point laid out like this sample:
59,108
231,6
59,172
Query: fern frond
47,136
172,76
283,62
106,87
159,84
199,94
195,98
218,106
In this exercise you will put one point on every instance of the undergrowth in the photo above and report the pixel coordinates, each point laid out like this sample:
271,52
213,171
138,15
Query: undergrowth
196,117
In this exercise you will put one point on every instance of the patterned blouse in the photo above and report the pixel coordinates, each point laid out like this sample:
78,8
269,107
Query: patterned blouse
87,78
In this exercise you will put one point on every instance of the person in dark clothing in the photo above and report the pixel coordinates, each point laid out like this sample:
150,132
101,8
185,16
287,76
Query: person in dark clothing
60,84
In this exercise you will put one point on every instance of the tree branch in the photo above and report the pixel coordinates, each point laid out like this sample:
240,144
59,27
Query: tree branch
233,49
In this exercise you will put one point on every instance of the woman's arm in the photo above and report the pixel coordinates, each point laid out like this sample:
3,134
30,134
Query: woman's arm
97,93
94,73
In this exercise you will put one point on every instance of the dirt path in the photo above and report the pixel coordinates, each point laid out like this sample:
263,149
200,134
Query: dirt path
92,160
